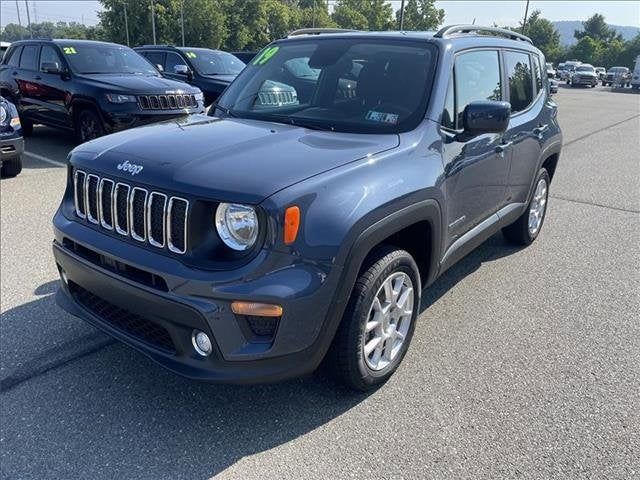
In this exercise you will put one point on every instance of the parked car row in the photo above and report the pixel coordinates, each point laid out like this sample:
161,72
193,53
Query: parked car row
93,88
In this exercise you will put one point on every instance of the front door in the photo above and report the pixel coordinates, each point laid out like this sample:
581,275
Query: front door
476,169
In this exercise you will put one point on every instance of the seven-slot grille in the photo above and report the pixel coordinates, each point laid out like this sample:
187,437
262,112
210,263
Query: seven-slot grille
167,102
134,212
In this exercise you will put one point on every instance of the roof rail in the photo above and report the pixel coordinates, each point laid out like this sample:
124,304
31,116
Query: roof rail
319,31
451,30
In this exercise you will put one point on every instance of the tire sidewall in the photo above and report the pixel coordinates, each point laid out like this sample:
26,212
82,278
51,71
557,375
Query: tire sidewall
405,264
541,174
82,116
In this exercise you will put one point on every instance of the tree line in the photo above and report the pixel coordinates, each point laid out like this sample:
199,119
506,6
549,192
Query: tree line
597,43
251,24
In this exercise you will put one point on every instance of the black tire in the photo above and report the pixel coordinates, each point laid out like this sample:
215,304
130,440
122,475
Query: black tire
518,232
27,127
88,125
11,168
347,357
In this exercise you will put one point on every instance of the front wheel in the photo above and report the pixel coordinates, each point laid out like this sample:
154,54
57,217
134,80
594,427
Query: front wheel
379,321
88,126
527,227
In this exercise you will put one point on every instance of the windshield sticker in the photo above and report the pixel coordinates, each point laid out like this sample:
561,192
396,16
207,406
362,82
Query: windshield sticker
382,117
191,55
265,56
69,50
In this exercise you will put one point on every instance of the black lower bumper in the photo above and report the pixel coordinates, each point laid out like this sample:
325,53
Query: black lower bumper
11,148
161,326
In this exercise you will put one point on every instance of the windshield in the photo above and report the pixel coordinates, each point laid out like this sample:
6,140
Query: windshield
349,85
618,70
105,58
585,69
212,62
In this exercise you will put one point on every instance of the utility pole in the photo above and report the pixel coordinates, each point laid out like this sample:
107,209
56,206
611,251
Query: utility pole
18,11
402,15
313,15
126,21
182,20
28,18
526,12
153,22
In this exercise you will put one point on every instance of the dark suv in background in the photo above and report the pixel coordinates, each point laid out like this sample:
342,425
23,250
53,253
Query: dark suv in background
209,70
89,87
252,244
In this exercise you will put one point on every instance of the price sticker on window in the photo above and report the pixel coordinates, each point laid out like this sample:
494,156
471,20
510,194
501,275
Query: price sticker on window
69,50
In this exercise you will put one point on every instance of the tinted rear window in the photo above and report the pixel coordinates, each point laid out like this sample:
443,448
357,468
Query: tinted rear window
518,68
29,58
14,57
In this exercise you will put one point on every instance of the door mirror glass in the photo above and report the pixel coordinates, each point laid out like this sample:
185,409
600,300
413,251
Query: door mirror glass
181,70
51,67
486,116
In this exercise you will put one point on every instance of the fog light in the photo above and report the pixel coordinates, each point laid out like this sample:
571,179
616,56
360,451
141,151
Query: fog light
201,343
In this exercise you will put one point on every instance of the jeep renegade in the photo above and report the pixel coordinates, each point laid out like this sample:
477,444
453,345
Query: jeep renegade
251,244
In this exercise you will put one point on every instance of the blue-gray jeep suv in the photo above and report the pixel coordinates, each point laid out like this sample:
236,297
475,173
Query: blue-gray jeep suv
281,230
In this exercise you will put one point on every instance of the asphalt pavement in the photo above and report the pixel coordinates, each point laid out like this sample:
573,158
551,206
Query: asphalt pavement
525,362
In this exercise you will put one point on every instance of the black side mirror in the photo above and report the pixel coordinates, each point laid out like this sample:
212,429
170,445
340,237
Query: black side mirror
50,67
550,75
486,116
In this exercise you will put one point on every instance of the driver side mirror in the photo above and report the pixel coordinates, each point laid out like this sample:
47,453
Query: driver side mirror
182,70
486,116
159,67
50,67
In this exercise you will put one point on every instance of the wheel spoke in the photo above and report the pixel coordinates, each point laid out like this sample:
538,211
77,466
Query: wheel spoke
372,324
372,345
404,296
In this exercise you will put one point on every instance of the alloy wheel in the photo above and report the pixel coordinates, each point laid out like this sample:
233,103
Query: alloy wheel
388,321
538,207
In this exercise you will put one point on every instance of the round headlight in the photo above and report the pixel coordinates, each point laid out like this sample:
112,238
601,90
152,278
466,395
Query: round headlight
3,114
237,225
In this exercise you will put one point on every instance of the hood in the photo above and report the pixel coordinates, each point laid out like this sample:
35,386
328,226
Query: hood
138,84
231,160
585,74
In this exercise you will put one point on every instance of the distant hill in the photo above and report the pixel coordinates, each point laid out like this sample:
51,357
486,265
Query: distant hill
567,27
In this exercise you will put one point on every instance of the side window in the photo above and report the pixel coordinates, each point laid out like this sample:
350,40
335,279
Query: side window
448,115
48,55
14,58
29,58
535,60
518,67
172,60
477,77
156,58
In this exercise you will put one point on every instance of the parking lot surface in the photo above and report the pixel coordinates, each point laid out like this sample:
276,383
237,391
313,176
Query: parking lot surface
525,362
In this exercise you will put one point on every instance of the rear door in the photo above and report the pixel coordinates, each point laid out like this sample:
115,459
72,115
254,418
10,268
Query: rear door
527,127
476,170
25,77
156,57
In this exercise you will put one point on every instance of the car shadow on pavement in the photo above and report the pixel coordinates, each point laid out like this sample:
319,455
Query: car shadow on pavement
106,411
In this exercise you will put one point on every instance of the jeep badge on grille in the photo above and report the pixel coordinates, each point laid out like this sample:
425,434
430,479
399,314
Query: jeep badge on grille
130,167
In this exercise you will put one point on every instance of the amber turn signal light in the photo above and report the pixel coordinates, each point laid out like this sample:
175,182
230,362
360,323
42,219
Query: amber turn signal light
291,224
256,309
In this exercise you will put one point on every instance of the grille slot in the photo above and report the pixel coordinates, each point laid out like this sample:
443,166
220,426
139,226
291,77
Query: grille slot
105,192
120,204
167,102
151,217
138,214
135,325
177,224
79,178
91,198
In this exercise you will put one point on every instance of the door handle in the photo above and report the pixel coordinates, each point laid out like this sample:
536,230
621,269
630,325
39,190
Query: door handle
540,130
502,147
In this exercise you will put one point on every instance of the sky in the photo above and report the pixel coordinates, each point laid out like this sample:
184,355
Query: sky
505,12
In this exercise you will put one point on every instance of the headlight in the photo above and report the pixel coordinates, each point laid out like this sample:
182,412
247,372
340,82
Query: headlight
199,96
3,113
237,225
119,98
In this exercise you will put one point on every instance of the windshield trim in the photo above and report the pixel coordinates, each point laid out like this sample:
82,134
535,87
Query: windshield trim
74,70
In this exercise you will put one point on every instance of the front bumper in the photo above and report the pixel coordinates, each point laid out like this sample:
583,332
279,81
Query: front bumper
584,81
164,320
11,148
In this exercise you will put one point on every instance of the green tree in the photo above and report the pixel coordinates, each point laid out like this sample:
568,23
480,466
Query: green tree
364,14
587,50
12,32
543,35
596,27
421,15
